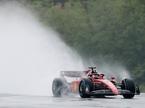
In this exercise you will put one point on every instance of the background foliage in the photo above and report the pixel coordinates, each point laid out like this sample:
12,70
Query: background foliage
112,30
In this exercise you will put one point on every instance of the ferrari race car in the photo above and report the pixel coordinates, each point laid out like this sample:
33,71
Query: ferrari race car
90,83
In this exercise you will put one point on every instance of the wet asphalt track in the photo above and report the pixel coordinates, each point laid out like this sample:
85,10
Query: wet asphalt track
19,101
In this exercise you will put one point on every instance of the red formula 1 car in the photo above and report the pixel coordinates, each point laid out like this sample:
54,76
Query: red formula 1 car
89,83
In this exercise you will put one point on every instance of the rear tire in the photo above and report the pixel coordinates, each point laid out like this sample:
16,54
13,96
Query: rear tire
85,87
57,87
137,90
128,84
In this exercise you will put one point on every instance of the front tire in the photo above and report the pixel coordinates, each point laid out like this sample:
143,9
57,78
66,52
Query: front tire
128,84
85,87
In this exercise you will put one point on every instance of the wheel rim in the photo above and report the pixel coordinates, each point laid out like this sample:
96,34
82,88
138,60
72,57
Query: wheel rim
87,90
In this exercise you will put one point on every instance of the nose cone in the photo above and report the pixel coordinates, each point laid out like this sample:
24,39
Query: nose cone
111,86
114,90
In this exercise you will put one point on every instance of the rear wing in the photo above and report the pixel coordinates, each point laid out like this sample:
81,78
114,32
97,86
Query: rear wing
72,73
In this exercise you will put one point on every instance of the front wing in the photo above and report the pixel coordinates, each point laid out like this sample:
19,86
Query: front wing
109,92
